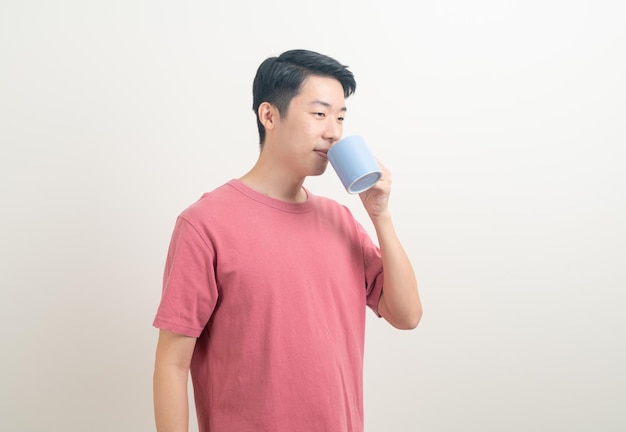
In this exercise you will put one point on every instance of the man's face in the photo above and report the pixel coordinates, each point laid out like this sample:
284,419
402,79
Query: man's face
312,124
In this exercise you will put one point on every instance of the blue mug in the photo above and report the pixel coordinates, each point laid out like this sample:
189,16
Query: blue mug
354,163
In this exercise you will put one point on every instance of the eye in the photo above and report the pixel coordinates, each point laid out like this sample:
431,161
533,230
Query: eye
320,114
341,119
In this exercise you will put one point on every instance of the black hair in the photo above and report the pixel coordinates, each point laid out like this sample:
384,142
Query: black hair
279,79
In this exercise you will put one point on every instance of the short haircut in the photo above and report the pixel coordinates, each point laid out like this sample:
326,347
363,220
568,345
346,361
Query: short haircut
279,79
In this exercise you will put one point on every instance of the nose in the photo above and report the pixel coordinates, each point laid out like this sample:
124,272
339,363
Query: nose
333,130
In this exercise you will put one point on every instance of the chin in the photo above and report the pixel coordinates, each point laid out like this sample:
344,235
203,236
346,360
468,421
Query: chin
318,172
321,168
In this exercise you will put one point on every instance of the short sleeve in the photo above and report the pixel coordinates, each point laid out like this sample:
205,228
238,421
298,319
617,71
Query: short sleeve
190,291
373,270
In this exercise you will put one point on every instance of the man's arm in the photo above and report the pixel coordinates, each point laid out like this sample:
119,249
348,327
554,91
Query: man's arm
171,372
399,303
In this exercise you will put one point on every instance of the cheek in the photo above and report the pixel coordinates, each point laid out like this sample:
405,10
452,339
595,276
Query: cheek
310,129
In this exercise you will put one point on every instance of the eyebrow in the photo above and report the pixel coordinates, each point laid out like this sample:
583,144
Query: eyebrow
325,104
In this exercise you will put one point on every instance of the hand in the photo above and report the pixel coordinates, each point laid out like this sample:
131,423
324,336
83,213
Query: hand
376,199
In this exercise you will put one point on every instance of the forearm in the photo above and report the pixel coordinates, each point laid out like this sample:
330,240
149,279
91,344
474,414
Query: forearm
171,405
400,303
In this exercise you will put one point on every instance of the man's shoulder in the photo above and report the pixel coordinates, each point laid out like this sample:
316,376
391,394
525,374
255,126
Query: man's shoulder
218,198
329,204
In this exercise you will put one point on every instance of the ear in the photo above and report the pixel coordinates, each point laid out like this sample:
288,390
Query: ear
268,115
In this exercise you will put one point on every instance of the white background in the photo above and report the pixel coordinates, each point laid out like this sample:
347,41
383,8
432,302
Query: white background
504,126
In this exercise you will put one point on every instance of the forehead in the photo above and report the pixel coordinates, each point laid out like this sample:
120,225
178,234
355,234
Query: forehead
322,89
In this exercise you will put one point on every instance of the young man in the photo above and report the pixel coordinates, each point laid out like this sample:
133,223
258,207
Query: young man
266,284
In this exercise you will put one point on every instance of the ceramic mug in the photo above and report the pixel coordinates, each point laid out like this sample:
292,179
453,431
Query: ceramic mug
354,163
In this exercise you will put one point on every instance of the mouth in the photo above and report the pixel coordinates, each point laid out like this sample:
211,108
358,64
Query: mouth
322,153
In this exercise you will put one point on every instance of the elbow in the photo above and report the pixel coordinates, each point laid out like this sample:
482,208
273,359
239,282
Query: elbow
410,321
405,317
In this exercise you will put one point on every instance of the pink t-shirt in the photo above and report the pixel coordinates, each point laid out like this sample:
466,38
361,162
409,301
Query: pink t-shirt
276,294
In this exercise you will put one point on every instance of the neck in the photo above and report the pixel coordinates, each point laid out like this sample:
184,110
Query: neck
273,183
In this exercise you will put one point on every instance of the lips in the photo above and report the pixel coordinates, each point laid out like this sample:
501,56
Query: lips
322,153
